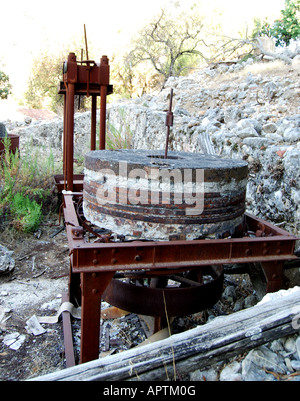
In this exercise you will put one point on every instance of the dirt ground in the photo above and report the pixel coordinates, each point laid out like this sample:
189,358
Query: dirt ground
34,287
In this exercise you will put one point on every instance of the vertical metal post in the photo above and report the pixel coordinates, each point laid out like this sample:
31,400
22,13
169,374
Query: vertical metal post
65,142
93,286
103,118
70,135
90,327
104,82
68,338
169,123
274,274
93,122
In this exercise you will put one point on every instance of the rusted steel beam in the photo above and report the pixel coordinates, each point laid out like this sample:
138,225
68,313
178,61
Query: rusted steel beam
93,122
70,136
165,255
68,338
92,287
104,82
81,89
273,272
65,145
177,254
102,142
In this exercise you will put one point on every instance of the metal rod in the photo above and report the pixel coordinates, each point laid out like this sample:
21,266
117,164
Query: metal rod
93,122
68,338
103,117
70,133
65,142
86,45
169,123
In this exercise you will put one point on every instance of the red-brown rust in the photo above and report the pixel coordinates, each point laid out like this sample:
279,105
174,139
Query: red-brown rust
84,80
97,263
173,301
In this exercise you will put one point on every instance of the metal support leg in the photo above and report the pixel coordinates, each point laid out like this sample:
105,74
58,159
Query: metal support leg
93,122
70,135
65,143
103,118
274,275
92,285
68,338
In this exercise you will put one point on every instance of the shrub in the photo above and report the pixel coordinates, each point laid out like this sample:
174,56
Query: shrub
26,188
5,86
26,213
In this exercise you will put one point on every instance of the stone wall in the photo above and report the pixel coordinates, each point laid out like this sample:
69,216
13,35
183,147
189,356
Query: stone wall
48,134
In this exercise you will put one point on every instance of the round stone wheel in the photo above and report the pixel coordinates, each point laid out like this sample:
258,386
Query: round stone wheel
140,194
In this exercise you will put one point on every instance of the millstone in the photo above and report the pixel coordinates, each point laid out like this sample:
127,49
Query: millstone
140,194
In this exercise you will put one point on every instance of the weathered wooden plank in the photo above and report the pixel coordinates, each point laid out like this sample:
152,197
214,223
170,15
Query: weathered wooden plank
220,339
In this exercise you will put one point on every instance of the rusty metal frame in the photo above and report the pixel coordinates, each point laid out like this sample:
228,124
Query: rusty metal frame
97,263
82,78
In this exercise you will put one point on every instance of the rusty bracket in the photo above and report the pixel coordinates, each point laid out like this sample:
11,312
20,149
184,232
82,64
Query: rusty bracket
77,233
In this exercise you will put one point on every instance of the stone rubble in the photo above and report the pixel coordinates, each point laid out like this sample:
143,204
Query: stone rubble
7,262
278,360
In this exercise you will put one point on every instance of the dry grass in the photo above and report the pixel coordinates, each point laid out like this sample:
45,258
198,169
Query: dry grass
273,69
276,68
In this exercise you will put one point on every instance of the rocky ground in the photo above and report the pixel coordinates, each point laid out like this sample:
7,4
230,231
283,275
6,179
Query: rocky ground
33,287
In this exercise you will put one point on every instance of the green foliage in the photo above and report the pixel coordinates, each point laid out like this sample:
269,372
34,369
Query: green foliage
286,28
26,187
27,213
262,28
45,76
43,83
169,43
5,86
